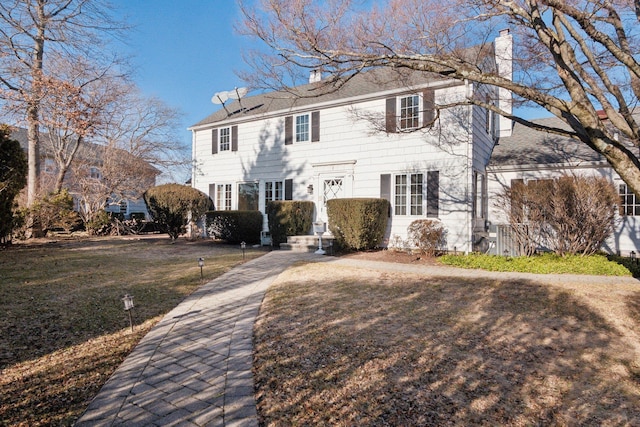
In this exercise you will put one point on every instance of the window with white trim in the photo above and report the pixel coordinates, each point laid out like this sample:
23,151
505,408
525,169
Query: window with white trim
629,203
223,197
410,112
409,194
225,139
302,128
273,190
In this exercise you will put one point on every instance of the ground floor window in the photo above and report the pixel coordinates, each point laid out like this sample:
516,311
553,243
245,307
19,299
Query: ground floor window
248,196
629,203
223,197
273,190
409,194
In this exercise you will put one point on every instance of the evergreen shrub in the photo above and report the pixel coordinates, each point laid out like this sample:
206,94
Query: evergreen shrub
235,226
289,218
358,224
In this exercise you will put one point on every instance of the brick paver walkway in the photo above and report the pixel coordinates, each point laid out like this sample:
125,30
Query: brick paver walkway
194,367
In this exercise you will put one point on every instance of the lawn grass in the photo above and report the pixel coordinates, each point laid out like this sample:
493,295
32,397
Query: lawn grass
599,265
63,328
345,346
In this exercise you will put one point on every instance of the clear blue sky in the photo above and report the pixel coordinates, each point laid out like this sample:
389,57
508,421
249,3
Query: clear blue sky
184,51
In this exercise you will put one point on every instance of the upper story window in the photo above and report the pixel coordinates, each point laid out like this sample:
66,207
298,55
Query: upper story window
225,139
94,173
409,112
629,203
302,128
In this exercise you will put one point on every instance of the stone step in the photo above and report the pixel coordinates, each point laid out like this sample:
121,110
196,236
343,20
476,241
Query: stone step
306,243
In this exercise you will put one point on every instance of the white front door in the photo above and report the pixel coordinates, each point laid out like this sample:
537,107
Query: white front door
331,188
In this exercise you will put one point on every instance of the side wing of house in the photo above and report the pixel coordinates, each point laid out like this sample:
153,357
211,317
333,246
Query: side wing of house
529,155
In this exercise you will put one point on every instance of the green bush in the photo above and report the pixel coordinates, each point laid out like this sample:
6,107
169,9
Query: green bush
235,226
13,172
358,224
289,218
100,224
172,205
547,263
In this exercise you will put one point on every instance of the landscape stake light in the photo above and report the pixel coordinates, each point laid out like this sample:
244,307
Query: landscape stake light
243,246
201,264
128,306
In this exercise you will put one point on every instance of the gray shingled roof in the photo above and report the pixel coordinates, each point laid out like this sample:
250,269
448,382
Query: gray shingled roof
366,83
527,146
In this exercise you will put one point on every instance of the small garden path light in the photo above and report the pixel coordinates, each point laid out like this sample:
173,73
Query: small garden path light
201,264
128,307
243,246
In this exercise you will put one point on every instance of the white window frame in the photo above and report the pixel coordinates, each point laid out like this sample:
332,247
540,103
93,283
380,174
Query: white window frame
629,203
224,139
273,190
224,197
409,194
302,127
409,115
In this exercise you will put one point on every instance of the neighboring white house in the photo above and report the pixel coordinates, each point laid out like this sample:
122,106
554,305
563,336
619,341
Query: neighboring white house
364,139
532,155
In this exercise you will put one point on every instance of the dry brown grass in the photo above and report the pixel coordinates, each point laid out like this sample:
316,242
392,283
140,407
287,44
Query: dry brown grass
63,328
350,347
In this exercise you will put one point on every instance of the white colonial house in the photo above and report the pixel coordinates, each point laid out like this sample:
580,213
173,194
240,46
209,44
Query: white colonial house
528,155
368,138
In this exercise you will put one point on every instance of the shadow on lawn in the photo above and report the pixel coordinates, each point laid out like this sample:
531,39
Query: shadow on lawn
404,351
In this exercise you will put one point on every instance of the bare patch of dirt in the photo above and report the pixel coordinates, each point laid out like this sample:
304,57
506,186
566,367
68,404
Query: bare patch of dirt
385,255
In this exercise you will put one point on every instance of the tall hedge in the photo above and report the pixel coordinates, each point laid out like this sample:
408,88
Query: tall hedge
235,226
13,172
358,224
289,218
171,206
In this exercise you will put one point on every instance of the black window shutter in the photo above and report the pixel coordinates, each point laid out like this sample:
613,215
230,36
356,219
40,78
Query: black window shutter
428,107
315,126
390,116
288,189
433,193
234,138
288,130
214,141
212,194
385,189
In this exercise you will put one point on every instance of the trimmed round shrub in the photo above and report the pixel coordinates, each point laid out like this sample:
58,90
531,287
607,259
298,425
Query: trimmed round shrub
235,226
173,205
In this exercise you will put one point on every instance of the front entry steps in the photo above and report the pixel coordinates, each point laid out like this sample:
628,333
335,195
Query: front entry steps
308,243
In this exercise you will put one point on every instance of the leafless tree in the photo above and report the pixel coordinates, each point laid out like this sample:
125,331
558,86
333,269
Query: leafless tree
572,57
145,127
34,34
